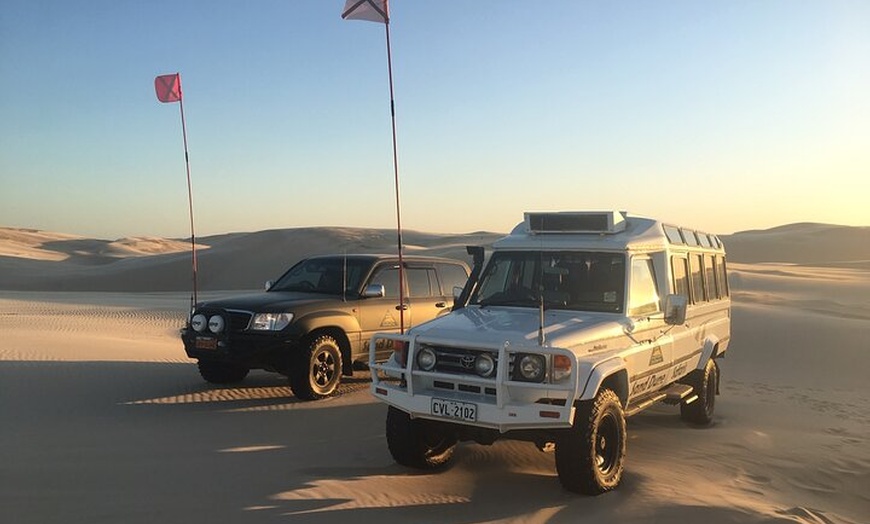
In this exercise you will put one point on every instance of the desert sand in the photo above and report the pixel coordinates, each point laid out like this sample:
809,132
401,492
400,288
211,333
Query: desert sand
104,419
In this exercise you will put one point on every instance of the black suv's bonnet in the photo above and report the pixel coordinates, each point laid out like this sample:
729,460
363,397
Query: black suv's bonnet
271,300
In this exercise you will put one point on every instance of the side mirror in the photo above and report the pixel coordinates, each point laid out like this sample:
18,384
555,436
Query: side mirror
374,291
457,292
675,309
269,284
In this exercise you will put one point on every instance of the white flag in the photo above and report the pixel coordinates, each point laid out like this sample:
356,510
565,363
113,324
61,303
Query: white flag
371,10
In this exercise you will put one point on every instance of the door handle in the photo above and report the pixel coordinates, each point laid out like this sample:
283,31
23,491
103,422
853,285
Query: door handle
441,304
402,307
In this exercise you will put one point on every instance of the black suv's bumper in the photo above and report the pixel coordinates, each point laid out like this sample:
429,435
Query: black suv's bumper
253,350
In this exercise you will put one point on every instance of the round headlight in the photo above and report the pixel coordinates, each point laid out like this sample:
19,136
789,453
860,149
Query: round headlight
484,365
216,324
531,368
198,322
426,359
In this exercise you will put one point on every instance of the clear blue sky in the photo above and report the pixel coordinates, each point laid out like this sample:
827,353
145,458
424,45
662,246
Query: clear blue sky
724,115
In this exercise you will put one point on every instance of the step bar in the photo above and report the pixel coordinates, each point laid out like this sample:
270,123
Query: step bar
673,394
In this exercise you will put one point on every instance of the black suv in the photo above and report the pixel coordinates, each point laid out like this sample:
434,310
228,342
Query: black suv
314,323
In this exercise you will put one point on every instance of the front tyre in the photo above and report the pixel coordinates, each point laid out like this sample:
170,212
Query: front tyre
418,443
221,372
590,456
317,371
705,383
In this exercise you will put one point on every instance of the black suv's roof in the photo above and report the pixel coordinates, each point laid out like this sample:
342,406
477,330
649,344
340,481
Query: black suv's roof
385,256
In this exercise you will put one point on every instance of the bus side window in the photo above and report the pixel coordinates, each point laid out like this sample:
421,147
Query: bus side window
643,297
710,278
680,268
722,276
696,263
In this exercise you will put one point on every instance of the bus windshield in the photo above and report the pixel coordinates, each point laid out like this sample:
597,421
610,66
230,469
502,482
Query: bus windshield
582,281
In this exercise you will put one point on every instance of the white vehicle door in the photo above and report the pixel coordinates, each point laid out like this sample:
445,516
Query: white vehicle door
383,314
686,346
651,361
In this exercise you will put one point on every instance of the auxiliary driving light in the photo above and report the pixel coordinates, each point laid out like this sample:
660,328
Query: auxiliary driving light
216,324
198,322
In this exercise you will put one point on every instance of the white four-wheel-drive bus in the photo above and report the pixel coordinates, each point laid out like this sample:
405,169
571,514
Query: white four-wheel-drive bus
574,321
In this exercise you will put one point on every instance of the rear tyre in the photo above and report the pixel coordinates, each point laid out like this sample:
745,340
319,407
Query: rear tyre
221,372
705,383
317,370
418,443
590,456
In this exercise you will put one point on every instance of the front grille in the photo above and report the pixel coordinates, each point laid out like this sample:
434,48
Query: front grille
239,320
460,361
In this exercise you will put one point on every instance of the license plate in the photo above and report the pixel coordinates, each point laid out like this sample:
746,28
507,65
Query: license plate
206,343
454,409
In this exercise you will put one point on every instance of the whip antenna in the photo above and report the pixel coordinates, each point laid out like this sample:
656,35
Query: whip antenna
168,89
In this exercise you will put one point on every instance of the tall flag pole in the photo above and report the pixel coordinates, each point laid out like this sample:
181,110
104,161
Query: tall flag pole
379,11
168,88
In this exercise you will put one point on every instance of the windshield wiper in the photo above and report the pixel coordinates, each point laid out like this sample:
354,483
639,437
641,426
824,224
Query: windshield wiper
508,302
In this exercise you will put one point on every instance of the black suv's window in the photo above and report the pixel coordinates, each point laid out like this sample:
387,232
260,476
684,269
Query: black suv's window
389,277
452,275
323,275
421,281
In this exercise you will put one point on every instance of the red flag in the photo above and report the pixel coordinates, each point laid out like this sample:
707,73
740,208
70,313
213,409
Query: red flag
168,87
371,10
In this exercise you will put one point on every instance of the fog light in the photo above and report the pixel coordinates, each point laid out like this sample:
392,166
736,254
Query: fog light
198,322
216,324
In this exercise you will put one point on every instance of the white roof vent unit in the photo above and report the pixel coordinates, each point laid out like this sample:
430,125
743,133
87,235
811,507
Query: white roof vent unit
601,222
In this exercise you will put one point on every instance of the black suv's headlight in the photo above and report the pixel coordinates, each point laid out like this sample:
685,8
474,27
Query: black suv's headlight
271,321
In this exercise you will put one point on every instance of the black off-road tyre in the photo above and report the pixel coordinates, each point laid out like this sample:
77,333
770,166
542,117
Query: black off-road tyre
705,383
221,372
590,457
316,371
418,443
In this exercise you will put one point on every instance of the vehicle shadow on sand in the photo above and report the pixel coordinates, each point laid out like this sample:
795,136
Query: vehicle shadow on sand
146,440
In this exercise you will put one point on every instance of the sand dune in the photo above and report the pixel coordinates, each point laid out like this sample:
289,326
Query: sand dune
231,261
42,245
105,419
32,244
805,243
33,260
